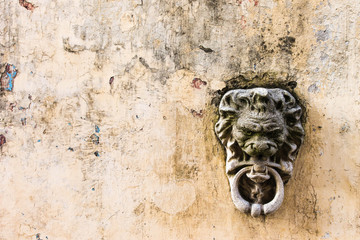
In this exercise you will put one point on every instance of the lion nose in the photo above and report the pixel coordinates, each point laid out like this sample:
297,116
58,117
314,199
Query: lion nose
261,146
265,148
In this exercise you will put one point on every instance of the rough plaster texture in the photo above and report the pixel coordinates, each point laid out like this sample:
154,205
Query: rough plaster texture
154,168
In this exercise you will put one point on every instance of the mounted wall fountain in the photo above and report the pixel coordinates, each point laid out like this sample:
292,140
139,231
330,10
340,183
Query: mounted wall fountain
262,132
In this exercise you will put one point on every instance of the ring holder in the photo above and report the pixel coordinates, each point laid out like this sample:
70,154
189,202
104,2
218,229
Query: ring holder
255,208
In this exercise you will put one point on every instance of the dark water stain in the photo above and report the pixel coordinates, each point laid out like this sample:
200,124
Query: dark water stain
143,62
286,44
183,167
72,48
207,50
215,7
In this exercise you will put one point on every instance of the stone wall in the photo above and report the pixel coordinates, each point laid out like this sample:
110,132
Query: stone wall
107,114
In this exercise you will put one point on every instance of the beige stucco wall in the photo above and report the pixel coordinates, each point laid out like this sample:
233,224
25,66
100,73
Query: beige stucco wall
160,171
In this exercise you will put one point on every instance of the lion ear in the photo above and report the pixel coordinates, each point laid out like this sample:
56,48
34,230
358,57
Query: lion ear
294,113
289,100
227,106
232,103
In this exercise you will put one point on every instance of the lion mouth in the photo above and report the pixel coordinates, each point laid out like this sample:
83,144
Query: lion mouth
259,160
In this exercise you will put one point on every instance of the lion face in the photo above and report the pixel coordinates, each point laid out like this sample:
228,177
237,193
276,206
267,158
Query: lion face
259,137
260,124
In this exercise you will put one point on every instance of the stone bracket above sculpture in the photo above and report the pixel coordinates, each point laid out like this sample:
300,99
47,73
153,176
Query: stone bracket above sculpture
261,131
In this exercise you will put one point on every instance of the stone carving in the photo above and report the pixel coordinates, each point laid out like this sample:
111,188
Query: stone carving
262,132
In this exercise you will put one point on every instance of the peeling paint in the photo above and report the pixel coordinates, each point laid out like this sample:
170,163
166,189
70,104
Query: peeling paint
197,83
97,129
27,5
23,121
199,114
95,139
326,236
322,35
313,88
111,80
345,128
7,77
2,140
255,2
11,106
38,237
243,22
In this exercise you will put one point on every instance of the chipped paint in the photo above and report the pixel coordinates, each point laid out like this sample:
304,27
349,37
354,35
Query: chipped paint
111,80
97,129
23,121
197,83
195,113
95,139
2,140
7,77
11,106
27,5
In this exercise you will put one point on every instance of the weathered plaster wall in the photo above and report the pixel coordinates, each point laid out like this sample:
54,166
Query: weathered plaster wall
109,122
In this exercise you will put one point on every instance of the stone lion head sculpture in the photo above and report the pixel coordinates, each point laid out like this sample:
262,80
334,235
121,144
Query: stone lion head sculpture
261,131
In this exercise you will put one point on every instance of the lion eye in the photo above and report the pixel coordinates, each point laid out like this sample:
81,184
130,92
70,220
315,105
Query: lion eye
247,132
275,132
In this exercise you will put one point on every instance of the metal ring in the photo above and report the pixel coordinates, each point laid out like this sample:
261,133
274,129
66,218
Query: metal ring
255,208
